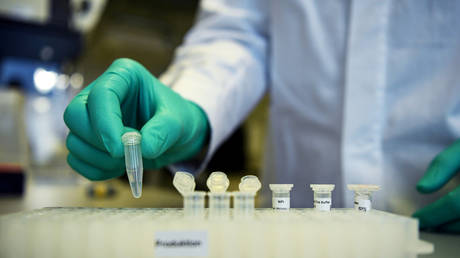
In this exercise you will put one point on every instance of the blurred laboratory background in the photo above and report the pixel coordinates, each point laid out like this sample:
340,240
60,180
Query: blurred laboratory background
51,50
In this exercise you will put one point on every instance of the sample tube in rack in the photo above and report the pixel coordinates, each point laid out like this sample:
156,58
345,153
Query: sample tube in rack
243,204
363,198
244,200
322,196
219,204
184,182
219,199
281,196
133,161
194,203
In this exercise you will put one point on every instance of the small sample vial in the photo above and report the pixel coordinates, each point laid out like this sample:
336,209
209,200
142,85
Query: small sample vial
363,198
184,182
133,161
219,204
281,198
250,184
243,204
322,199
194,203
217,182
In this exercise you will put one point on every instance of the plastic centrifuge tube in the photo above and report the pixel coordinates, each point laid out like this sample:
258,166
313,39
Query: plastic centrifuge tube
363,198
219,204
243,203
219,199
194,203
133,160
217,182
184,182
281,197
322,196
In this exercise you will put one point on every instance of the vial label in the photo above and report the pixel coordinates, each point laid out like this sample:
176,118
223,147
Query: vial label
363,205
281,203
322,204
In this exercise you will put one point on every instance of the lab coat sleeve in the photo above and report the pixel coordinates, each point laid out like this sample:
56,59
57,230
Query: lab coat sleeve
221,66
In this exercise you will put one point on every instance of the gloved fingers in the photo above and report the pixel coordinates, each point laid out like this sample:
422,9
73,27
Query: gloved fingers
115,86
440,212
179,153
441,169
92,156
91,172
452,227
159,134
77,120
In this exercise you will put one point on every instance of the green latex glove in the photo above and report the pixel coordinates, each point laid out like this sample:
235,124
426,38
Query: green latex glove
444,214
127,97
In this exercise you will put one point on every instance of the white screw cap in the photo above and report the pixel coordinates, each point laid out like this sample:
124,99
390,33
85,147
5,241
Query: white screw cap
184,182
217,182
250,184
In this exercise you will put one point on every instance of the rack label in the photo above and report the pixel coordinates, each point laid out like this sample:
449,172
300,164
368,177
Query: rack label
180,243
281,203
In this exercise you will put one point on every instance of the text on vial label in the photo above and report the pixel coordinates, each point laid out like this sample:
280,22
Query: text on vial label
363,205
281,203
322,204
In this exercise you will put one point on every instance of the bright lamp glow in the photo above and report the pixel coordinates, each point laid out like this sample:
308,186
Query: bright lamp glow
44,80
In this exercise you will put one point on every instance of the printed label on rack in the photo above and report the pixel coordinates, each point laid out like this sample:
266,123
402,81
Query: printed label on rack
180,243
363,205
322,204
281,203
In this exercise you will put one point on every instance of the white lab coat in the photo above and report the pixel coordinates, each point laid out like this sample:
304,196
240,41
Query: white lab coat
361,91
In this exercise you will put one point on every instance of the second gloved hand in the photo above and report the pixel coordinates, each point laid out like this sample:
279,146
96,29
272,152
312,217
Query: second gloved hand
444,214
127,97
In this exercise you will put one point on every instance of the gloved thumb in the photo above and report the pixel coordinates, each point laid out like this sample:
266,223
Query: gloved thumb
160,133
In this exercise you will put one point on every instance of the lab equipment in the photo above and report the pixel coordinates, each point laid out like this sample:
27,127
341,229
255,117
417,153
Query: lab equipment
194,203
281,197
363,198
250,184
184,182
322,196
127,232
217,182
243,204
219,204
133,161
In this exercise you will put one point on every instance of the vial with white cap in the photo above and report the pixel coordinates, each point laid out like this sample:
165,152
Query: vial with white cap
219,199
281,196
133,161
363,198
322,196
184,182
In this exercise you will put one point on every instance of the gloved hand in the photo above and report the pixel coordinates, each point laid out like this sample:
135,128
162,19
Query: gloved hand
444,214
127,97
